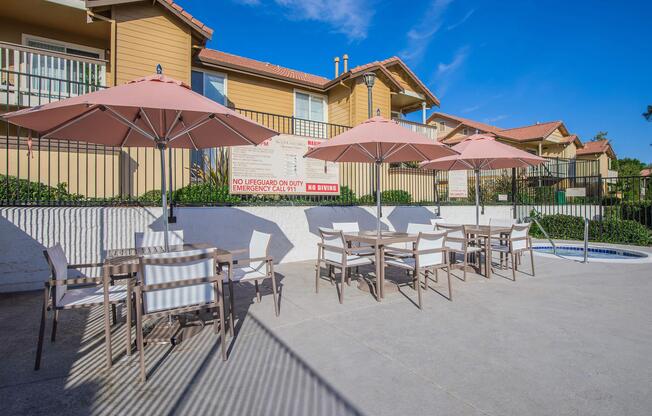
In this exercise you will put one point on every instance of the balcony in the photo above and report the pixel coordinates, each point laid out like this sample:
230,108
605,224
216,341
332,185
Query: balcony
423,129
32,76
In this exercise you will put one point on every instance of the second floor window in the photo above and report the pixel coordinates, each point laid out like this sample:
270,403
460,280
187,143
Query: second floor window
309,106
211,85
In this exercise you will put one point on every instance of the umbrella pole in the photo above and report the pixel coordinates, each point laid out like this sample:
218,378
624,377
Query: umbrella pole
477,197
378,209
164,197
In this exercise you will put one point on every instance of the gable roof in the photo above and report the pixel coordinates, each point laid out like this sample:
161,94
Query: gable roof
467,122
533,132
597,146
229,60
170,5
212,56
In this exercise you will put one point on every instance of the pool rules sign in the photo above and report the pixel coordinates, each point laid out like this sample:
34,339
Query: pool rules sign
277,166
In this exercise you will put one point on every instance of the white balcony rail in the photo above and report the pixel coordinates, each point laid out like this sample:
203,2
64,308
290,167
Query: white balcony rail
32,76
423,129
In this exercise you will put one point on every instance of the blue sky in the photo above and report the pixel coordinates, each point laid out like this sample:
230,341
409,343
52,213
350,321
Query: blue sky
508,63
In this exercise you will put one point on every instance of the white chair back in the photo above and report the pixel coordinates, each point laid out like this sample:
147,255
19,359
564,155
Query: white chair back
334,238
519,231
435,221
59,267
258,248
347,227
455,237
413,228
157,238
176,269
431,241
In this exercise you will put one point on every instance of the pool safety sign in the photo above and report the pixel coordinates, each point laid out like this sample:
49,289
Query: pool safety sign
277,166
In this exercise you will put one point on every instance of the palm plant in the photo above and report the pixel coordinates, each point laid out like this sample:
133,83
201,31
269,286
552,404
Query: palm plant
215,170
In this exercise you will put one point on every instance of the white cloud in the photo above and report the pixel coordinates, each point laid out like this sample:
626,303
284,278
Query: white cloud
421,34
351,18
470,109
495,119
456,24
444,69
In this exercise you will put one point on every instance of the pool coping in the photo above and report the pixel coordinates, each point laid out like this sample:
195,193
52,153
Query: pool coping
642,250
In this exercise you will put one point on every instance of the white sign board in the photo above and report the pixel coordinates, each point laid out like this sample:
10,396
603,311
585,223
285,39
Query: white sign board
575,192
277,166
458,184
502,197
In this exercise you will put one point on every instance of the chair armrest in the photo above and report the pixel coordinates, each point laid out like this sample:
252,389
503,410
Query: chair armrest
361,251
77,281
239,251
333,248
399,250
181,283
251,260
85,265
431,251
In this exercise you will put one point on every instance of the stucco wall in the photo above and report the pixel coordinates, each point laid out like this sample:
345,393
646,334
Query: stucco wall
85,233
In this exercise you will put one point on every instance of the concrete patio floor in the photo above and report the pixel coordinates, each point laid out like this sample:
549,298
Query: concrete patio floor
574,340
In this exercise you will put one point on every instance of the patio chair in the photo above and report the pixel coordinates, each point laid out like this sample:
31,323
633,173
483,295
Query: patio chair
514,245
333,251
429,253
62,292
157,238
458,243
178,282
412,228
259,266
353,227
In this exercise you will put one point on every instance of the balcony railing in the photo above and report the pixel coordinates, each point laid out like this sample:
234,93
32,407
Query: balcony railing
32,76
424,129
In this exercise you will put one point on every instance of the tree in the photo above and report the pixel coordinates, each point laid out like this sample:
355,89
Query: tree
648,113
628,167
602,135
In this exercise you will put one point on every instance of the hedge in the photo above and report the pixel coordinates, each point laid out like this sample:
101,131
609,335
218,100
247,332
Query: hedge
610,230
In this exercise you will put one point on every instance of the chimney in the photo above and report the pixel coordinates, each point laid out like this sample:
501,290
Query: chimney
345,58
336,60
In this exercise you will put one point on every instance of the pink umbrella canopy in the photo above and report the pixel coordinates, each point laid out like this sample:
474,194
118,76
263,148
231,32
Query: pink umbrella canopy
154,111
379,140
142,113
480,152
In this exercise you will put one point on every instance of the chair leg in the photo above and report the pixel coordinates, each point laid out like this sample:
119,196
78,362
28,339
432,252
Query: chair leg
513,267
55,319
436,275
342,278
348,276
41,331
317,269
257,291
222,325
139,337
274,292
418,280
231,307
532,260
464,264
450,289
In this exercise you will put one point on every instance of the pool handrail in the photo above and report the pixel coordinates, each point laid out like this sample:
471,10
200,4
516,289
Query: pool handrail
586,240
543,230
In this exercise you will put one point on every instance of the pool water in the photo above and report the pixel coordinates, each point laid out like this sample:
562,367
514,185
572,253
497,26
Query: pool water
594,252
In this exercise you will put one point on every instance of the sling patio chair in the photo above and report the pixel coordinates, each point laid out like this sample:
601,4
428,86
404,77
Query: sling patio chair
62,292
174,283
258,267
457,242
516,243
157,238
353,227
412,229
333,252
429,254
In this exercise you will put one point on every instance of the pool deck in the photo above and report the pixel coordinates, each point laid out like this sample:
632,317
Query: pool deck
574,340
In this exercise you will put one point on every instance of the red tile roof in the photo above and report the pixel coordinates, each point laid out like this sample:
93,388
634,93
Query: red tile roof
240,62
596,146
467,122
533,132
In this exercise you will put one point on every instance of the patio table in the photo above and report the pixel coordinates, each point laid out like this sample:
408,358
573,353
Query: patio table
485,232
121,262
378,242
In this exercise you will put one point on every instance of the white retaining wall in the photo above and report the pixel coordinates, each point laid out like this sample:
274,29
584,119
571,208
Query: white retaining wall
85,233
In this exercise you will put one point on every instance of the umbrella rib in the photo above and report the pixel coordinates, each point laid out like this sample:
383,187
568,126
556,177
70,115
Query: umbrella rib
189,136
149,123
419,152
337,159
366,151
234,131
392,152
70,122
193,126
174,123
129,130
119,117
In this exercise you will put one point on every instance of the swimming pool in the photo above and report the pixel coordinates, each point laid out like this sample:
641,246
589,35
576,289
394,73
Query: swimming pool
595,253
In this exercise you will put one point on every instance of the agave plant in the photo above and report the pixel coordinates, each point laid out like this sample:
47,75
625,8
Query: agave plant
214,172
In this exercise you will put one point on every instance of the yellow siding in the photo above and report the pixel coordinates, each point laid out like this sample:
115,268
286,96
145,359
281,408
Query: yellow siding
258,94
146,36
338,105
381,100
403,78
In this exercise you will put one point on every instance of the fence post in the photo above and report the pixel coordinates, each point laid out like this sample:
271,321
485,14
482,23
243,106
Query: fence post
514,193
600,202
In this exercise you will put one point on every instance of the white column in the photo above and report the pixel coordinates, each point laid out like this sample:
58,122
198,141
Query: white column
423,112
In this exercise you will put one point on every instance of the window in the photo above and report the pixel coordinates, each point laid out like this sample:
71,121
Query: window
442,126
465,131
310,111
210,84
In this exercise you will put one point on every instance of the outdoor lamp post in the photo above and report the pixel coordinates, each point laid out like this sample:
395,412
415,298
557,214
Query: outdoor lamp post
369,80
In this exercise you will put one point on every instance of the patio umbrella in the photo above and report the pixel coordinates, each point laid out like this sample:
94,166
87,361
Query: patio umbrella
479,152
155,111
379,140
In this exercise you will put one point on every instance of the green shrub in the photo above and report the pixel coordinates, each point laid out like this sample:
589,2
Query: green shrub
609,230
389,197
12,189
205,193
